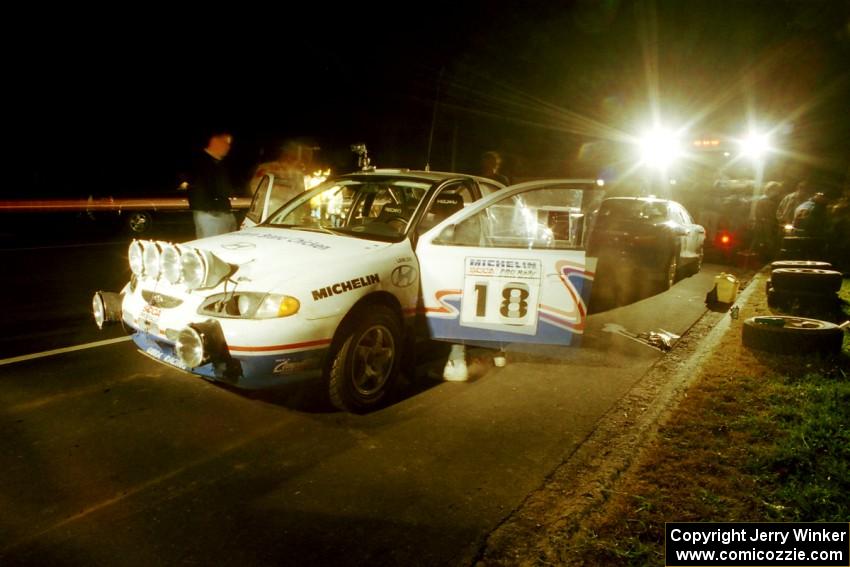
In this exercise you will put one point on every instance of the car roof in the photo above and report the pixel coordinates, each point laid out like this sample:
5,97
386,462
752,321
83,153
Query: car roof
430,176
646,199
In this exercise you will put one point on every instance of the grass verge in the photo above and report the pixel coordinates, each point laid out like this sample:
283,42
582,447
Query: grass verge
759,437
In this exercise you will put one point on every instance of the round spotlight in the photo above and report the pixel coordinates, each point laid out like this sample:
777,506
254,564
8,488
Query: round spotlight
189,347
193,268
170,263
135,255
98,310
150,257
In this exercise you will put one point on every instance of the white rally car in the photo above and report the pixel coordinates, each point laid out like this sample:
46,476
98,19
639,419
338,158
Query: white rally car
332,285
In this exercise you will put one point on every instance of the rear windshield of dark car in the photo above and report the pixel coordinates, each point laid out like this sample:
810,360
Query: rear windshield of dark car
629,209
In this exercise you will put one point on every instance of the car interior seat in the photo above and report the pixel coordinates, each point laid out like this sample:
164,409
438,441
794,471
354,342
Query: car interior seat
445,205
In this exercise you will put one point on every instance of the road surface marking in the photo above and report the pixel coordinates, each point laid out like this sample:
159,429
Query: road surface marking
82,245
56,398
132,491
35,355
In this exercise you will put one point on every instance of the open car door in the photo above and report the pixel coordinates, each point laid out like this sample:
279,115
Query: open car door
512,266
271,193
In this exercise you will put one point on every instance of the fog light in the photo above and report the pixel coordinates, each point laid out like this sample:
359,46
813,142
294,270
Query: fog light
190,347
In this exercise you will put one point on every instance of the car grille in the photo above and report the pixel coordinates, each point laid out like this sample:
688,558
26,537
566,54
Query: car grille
159,300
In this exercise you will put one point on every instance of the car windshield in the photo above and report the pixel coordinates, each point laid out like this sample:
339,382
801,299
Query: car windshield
633,209
377,209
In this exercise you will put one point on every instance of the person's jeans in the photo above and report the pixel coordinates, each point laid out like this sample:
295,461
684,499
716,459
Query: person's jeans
212,223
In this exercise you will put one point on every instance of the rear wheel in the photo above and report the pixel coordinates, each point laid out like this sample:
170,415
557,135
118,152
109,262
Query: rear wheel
696,266
671,271
365,364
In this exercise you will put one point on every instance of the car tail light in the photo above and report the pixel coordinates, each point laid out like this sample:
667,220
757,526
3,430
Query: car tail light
724,239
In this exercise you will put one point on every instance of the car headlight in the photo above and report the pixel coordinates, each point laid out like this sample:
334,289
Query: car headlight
170,264
202,268
135,256
150,258
250,305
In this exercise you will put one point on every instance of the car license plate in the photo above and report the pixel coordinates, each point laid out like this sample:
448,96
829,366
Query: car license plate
149,319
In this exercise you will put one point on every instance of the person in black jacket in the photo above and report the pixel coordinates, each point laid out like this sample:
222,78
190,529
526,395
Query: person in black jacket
210,188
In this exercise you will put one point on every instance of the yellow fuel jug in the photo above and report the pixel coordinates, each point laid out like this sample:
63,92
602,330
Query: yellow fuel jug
727,287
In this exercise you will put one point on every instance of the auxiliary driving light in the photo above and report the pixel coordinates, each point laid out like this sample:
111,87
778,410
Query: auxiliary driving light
106,308
190,347
170,263
135,256
199,343
202,269
150,257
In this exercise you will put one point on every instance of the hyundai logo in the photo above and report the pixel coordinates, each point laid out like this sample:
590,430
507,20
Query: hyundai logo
403,276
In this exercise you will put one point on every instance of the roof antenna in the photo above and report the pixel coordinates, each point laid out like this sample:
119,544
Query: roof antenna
433,120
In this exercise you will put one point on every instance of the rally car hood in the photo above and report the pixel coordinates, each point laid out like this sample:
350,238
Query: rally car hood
261,253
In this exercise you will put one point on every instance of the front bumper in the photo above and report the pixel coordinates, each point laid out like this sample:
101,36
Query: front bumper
243,357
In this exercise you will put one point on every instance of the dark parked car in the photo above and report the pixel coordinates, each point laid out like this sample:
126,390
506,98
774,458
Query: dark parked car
643,240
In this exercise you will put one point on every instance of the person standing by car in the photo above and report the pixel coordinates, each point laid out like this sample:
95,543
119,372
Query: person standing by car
490,164
765,228
788,205
294,162
210,188
810,218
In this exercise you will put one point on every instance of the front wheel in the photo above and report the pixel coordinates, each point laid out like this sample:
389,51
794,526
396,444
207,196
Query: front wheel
139,222
365,364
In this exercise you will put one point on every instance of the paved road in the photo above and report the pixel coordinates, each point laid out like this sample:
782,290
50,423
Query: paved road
110,458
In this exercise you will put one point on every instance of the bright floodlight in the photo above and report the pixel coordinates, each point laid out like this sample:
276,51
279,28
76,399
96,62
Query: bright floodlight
659,148
755,145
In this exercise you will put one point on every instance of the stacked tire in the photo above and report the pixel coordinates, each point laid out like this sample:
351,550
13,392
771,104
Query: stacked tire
792,335
802,248
803,286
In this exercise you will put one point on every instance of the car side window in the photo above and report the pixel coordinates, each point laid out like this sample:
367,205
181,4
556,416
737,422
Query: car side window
543,218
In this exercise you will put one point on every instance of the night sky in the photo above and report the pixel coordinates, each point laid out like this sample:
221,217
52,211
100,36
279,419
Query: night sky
112,100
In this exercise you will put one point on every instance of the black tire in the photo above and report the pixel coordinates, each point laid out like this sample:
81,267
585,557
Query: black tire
809,280
139,222
365,361
670,273
792,335
814,264
802,248
801,303
696,266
